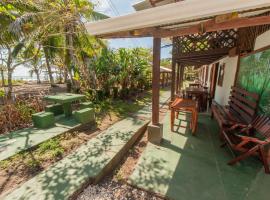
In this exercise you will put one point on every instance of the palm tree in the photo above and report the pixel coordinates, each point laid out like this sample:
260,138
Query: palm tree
44,20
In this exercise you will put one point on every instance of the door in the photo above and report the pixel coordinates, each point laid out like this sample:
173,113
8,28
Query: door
213,79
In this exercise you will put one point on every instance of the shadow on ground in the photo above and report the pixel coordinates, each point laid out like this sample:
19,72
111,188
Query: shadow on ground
195,167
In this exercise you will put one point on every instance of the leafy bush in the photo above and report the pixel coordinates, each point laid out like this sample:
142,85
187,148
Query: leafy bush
18,115
120,71
52,148
2,93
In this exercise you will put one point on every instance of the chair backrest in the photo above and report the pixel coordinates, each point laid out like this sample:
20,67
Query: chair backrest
243,104
262,125
194,85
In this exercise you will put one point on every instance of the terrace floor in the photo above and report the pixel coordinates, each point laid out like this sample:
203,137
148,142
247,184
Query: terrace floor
194,167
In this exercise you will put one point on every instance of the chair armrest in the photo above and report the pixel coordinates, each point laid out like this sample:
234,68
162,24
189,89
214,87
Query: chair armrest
238,125
252,139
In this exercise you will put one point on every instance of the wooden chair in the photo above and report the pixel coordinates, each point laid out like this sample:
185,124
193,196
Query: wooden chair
250,140
242,107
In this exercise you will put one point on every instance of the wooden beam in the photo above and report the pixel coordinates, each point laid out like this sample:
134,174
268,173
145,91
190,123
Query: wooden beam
211,25
155,80
177,77
182,71
173,74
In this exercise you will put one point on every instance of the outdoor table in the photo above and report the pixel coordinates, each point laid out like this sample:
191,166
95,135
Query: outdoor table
188,105
194,85
201,94
65,99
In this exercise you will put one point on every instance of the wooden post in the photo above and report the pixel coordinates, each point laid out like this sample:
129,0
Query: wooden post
182,70
173,79
163,79
155,80
178,78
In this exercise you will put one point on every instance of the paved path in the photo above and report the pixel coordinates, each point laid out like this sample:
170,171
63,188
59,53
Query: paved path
21,140
86,164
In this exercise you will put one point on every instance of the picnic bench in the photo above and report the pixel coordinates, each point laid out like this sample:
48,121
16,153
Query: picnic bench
241,109
65,100
250,140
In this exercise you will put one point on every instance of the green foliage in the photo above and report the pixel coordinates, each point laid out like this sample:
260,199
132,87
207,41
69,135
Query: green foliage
25,110
52,148
125,69
2,93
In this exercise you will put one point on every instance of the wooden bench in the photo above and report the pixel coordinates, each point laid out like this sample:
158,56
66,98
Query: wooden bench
249,140
241,109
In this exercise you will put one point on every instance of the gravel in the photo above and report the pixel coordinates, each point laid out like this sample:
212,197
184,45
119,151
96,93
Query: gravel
109,189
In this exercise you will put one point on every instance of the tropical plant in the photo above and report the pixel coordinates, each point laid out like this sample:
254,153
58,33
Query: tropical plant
57,26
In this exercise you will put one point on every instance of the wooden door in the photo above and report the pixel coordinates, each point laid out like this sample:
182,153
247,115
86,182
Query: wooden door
213,79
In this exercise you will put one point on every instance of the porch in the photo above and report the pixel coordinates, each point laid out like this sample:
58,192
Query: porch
194,167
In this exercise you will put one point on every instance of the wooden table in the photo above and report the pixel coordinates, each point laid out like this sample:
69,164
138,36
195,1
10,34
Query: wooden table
201,94
188,105
65,99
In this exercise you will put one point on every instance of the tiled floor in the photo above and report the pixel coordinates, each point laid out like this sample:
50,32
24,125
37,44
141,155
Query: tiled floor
194,167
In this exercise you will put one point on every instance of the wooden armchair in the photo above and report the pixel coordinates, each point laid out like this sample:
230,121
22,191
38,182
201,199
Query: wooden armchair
250,140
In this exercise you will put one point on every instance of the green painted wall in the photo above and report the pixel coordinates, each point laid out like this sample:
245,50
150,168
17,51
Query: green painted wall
254,76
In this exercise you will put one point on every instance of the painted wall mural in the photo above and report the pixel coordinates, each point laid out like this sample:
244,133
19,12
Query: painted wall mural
254,76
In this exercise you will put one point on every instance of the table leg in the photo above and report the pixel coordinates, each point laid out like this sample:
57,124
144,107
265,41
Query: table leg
67,109
172,118
195,122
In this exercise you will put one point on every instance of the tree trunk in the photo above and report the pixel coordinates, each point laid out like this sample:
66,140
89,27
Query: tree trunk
69,41
48,66
10,86
2,78
38,76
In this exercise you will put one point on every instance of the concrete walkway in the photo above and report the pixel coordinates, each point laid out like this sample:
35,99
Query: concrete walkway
21,140
195,167
87,164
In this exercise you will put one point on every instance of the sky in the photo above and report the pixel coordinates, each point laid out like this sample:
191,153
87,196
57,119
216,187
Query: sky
114,8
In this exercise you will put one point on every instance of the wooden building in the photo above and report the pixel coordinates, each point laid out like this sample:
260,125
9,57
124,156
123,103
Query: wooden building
212,35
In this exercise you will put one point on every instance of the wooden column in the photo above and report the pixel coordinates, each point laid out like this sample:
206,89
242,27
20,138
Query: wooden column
182,70
177,78
163,79
155,80
173,79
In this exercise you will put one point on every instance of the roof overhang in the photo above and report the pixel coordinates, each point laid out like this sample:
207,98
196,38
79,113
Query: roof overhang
142,5
183,18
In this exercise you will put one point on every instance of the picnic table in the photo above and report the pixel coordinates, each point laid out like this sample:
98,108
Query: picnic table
65,99
201,95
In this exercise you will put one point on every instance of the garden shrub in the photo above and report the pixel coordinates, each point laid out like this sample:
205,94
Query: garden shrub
14,116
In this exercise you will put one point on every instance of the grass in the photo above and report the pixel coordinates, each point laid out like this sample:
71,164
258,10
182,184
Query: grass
32,159
122,108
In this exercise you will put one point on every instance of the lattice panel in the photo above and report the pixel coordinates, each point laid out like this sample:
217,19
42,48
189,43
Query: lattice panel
247,37
205,42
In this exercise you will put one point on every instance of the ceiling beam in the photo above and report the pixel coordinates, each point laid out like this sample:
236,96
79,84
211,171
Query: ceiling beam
211,26
154,2
207,53
208,26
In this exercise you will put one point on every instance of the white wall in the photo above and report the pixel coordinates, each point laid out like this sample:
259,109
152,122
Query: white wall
223,93
262,40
